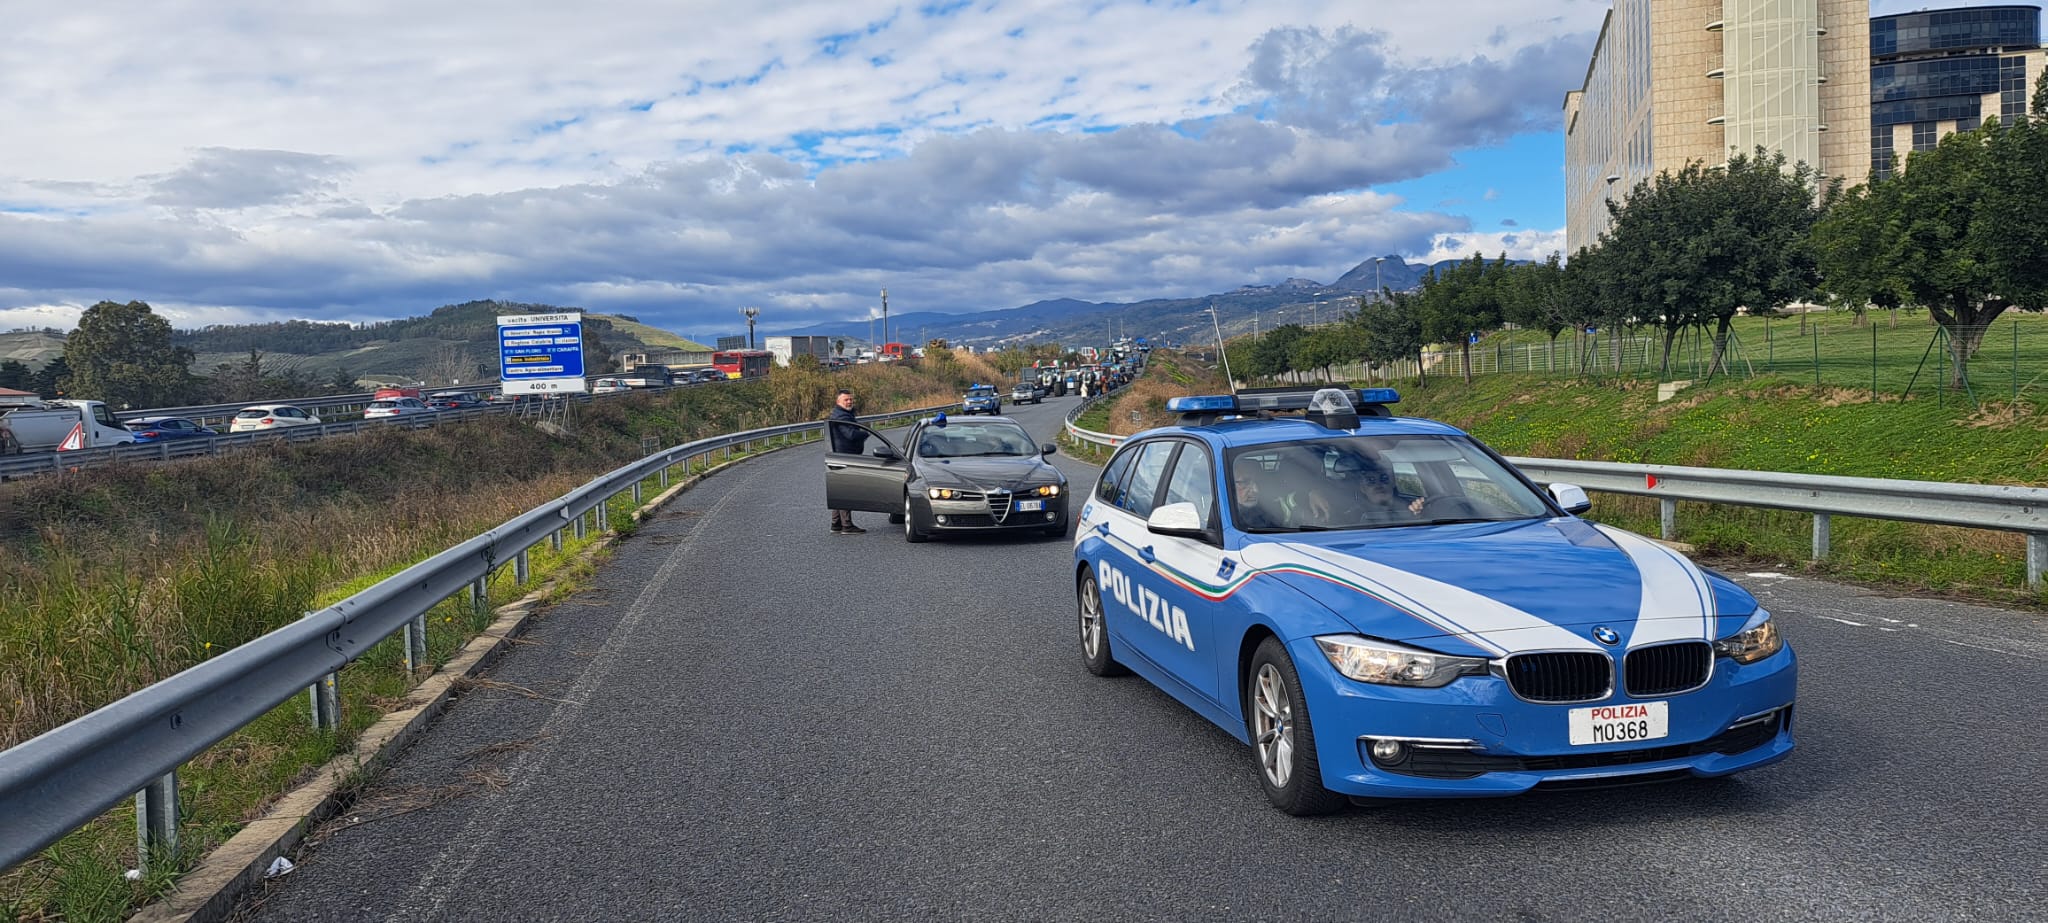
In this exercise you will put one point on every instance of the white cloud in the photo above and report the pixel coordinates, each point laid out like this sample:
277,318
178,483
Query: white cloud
379,158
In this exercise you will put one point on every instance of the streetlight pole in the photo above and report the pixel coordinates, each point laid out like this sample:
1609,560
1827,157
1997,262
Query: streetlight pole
751,313
885,317
1379,282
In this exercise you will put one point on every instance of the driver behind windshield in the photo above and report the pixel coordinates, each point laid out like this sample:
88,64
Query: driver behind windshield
1361,491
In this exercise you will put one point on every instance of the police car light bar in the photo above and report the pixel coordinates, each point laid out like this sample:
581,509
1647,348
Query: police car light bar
1254,400
1207,403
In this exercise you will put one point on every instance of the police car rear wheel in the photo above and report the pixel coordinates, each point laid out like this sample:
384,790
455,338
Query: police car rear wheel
1095,632
1276,715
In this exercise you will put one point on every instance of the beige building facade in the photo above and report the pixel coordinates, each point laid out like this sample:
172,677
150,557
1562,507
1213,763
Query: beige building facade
1677,81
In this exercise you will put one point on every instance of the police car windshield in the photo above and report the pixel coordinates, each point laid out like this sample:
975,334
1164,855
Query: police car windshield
1374,482
974,440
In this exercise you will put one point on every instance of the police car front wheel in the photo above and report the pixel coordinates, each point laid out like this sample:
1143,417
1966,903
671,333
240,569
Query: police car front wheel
1283,739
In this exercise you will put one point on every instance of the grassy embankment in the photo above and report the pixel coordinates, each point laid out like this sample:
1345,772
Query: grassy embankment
1772,422
117,577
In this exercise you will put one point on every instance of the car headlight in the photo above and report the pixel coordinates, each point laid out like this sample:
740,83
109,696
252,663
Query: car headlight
941,493
1049,490
1392,664
1758,639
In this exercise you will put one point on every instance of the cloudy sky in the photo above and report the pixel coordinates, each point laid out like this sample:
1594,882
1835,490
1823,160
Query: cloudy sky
228,161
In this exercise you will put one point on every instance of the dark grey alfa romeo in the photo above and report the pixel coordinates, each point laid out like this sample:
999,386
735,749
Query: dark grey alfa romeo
953,475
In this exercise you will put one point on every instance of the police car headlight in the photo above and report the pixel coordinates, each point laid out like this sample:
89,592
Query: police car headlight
1757,639
1393,664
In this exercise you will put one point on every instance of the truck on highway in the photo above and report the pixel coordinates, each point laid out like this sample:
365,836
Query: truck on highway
33,425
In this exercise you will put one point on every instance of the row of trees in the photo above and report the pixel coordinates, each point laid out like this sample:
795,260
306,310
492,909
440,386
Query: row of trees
1961,231
125,354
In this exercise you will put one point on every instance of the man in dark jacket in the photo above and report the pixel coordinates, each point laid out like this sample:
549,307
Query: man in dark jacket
846,440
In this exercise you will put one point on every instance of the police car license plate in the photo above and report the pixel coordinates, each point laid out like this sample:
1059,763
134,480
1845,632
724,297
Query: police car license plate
1618,724
1030,506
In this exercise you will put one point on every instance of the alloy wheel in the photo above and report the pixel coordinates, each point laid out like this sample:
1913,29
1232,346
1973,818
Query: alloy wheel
1273,725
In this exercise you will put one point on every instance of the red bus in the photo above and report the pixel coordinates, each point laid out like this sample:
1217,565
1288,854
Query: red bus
743,363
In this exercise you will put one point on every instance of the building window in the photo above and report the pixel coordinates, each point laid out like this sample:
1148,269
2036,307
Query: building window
1924,136
1881,153
2012,85
1969,123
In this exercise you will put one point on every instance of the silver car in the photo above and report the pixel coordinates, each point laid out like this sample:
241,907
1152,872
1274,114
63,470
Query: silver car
951,476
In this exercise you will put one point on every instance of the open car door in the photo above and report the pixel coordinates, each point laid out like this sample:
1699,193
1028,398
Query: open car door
872,480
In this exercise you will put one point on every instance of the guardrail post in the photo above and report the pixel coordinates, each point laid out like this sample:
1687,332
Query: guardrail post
604,519
664,477
555,541
636,493
1667,514
326,705
479,593
1823,528
415,643
522,569
156,822
579,528
2037,558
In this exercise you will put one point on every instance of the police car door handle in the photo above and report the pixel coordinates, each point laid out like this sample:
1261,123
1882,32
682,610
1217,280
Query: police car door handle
1146,553
1102,527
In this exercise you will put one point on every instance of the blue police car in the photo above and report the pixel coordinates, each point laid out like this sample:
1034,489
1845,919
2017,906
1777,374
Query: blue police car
981,399
1385,608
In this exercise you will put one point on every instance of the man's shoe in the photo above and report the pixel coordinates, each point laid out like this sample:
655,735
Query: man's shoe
854,530
837,528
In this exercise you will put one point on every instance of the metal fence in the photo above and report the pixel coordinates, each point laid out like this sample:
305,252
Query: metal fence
1882,353
54,783
1976,506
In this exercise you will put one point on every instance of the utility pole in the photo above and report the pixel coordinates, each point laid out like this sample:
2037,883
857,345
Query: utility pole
1379,282
750,313
885,315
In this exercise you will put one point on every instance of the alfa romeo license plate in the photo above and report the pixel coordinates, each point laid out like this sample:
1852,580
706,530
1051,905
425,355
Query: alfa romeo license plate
1030,506
1620,724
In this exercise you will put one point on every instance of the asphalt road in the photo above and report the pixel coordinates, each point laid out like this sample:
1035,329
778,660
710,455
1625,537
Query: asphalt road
750,718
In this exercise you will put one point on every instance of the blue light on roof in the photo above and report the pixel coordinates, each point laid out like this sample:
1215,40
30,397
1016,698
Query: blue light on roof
1379,396
1206,403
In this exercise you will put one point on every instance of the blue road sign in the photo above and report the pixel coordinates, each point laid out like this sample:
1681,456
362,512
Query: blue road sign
540,353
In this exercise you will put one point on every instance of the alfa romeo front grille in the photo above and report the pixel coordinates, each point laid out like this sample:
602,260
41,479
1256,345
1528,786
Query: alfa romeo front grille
999,505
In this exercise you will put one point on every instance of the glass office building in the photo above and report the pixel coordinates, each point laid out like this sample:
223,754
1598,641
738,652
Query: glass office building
1679,81
1939,71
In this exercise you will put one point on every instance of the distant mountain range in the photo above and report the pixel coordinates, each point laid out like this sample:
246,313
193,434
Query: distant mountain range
1293,301
461,340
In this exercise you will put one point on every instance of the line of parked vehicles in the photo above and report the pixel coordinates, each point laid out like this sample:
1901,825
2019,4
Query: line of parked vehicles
29,424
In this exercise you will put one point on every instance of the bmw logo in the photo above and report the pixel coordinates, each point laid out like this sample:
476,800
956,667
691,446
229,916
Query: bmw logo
1607,636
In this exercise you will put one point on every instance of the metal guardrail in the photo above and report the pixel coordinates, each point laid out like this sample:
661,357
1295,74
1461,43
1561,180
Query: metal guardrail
1975,506
55,783
1088,435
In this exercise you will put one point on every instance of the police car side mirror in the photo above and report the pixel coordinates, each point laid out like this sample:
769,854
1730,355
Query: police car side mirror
1177,519
882,451
1572,497
1048,449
